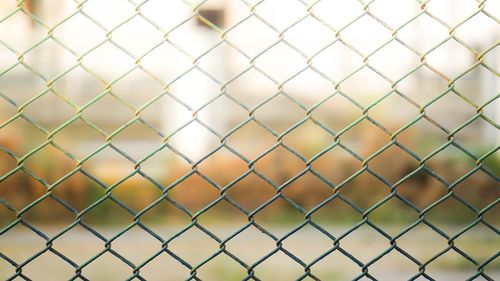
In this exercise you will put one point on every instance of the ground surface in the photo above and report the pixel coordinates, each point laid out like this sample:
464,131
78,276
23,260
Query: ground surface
194,246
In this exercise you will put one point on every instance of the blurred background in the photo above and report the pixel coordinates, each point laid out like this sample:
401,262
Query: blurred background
158,108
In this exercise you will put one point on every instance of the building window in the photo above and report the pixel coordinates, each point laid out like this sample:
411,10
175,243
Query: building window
213,15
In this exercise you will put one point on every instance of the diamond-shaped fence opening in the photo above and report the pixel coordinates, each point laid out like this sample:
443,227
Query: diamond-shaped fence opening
249,140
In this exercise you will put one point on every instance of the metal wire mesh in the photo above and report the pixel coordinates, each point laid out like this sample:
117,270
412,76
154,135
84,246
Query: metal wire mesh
309,11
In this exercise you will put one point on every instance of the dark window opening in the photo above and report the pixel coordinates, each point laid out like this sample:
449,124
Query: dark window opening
215,16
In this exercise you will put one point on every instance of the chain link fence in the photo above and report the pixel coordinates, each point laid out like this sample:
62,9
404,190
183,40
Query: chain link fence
249,140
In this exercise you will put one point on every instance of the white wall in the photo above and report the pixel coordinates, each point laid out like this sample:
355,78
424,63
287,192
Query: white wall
281,62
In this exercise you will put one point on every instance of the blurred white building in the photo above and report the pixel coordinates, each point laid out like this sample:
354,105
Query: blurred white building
136,30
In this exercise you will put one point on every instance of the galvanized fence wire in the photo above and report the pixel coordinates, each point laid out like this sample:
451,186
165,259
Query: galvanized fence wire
135,268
